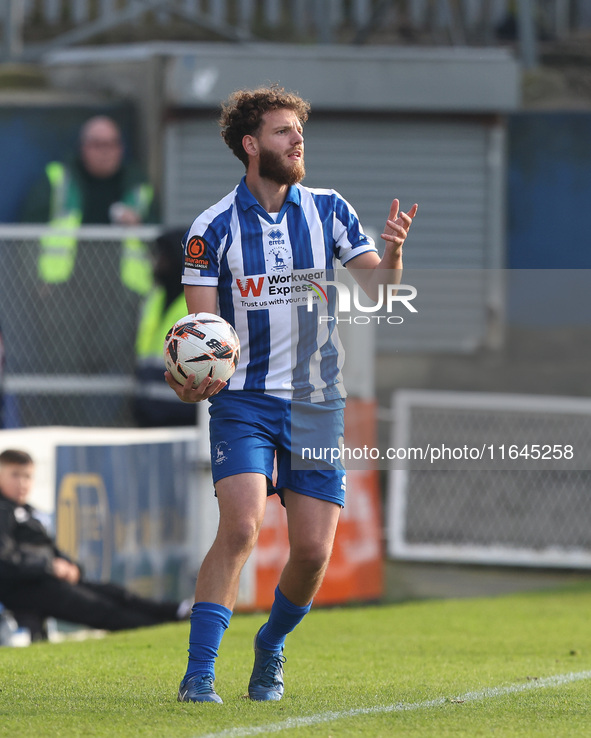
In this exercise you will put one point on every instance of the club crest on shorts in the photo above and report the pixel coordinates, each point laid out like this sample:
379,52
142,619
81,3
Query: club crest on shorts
220,452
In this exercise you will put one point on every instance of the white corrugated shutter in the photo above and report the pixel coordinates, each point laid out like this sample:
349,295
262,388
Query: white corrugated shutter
451,167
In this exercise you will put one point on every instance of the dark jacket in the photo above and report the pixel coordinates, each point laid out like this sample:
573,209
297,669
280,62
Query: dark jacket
26,548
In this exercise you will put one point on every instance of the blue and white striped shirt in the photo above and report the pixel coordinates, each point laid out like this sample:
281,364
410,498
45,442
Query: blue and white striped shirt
265,267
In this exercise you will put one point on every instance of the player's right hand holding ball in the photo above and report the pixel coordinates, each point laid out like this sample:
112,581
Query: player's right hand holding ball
187,393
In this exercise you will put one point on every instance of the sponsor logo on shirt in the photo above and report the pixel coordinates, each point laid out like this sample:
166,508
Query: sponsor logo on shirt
195,253
249,287
281,288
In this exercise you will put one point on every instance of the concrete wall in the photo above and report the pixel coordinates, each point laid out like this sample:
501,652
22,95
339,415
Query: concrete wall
161,77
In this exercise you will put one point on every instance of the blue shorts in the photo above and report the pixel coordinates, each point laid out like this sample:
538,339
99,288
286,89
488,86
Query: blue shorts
247,429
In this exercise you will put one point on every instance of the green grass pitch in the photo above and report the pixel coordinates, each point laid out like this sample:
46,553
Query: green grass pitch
480,667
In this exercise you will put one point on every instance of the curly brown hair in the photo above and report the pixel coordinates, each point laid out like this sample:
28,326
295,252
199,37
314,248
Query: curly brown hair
243,112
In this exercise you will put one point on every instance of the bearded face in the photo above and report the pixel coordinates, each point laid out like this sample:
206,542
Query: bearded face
272,166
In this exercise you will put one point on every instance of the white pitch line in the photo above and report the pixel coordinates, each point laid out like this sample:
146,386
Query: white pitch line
327,717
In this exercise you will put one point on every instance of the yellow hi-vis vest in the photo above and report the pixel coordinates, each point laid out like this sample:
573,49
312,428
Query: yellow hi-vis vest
155,323
58,249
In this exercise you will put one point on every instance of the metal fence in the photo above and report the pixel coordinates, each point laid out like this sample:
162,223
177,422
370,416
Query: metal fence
490,478
60,23
69,346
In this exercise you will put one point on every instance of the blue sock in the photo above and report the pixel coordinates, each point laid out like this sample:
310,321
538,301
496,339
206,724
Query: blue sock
283,619
208,623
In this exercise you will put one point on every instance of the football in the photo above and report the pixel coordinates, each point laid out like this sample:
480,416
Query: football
201,344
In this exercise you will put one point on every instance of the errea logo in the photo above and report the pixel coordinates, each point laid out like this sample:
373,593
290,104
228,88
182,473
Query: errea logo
275,237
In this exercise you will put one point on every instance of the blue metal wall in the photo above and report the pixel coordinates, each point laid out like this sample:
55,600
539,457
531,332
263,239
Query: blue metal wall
549,191
549,219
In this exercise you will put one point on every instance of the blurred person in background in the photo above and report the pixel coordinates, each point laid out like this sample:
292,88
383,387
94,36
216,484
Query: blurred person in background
88,289
38,581
96,186
154,404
